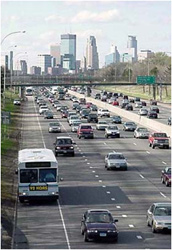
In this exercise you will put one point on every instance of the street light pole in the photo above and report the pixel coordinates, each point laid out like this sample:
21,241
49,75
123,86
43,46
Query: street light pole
11,34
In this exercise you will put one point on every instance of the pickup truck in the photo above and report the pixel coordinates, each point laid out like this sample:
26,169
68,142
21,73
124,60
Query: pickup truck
158,139
85,131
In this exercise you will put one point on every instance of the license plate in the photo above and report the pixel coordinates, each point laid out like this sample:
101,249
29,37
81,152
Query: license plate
38,188
64,151
103,234
161,144
117,166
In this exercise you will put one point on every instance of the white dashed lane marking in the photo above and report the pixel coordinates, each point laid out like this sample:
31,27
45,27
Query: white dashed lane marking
164,162
124,215
142,176
147,152
163,195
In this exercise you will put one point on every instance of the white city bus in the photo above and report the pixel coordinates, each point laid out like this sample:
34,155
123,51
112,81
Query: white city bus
29,91
37,174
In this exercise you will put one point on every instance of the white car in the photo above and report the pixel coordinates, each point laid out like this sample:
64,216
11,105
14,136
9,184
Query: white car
115,160
112,131
141,132
103,112
101,125
73,118
17,102
138,105
143,111
42,109
58,107
111,100
75,125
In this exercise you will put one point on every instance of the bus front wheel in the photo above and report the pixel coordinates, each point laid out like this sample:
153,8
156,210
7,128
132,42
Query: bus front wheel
21,200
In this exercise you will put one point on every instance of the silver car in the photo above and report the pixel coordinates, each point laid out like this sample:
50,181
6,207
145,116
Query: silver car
143,111
159,217
75,125
112,131
101,125
130,126
141,132
138,105
115,160
54,127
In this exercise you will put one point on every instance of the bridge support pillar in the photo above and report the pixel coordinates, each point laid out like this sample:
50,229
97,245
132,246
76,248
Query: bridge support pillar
88,92
21,92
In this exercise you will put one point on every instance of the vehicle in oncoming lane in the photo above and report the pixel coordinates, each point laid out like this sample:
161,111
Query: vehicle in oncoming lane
17,102
129,126
159,217
169,121
153,102
129,107
54,127
115,160
112,131
152,114
141,132
166,176
138,105
99,224
64,145
154,108
143,111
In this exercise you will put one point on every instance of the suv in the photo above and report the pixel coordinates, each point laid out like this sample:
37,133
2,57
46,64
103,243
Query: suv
115,160
112,131
85,131
158,139
103,112
64,145
92,117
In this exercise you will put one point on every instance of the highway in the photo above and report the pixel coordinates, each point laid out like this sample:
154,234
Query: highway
87,184
165,109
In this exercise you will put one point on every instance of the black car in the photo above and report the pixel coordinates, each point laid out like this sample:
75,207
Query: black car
153,102
98,96
64,145
92,117
84,113
93,107
152,114
123,105
99,225
129,107
116,119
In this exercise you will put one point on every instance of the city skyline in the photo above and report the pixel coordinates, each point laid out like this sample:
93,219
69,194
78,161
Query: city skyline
109,22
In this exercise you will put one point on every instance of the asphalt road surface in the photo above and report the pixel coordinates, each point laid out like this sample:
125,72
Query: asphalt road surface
87,184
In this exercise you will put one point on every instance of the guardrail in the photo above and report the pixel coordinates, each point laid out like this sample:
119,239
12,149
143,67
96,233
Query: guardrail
144,121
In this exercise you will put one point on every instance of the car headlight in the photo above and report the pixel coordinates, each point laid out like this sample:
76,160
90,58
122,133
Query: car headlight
57,147
166,141
158,223
71,147
92,231
111,231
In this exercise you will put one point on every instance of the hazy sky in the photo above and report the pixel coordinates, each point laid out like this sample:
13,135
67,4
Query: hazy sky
109,21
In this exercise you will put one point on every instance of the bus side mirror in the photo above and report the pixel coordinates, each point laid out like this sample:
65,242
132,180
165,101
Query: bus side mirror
16,172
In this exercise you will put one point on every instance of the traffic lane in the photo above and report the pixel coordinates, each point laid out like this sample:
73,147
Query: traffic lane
35,229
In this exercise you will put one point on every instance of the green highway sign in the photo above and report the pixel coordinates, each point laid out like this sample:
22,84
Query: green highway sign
145,79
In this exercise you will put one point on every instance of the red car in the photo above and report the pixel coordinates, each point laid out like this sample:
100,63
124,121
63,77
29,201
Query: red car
158,139
88,104
166,176
85,131
115,103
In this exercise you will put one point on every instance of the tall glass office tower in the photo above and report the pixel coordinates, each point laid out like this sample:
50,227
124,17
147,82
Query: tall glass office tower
92,59
68,51
132,47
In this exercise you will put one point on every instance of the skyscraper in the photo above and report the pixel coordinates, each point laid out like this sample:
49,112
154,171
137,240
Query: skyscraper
23,66
113,57
11,61
92,60
132,48
68,51
55,53
44,61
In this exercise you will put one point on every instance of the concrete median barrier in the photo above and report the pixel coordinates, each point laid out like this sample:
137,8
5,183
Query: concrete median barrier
141,120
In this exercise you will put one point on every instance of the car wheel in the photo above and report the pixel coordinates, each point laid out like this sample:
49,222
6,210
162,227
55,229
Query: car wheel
106,136
79,137
167,147
153,228
56,154
85,237
73,154
82,231
118,136
148,223
166,183
153,146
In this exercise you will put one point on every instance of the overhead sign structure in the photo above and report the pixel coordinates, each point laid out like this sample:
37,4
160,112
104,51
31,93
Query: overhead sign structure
145,79
5,117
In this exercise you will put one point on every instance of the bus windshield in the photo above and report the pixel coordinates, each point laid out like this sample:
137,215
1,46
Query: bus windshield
47,175
31,175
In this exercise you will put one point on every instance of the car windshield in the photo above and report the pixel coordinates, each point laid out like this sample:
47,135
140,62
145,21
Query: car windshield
102,122
74,117
99,218
162,211
160,135
142,130
54,124
105,110
93,115
130,123
86,127
116,156
113,127
168,171
76,124
64,141
116,117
